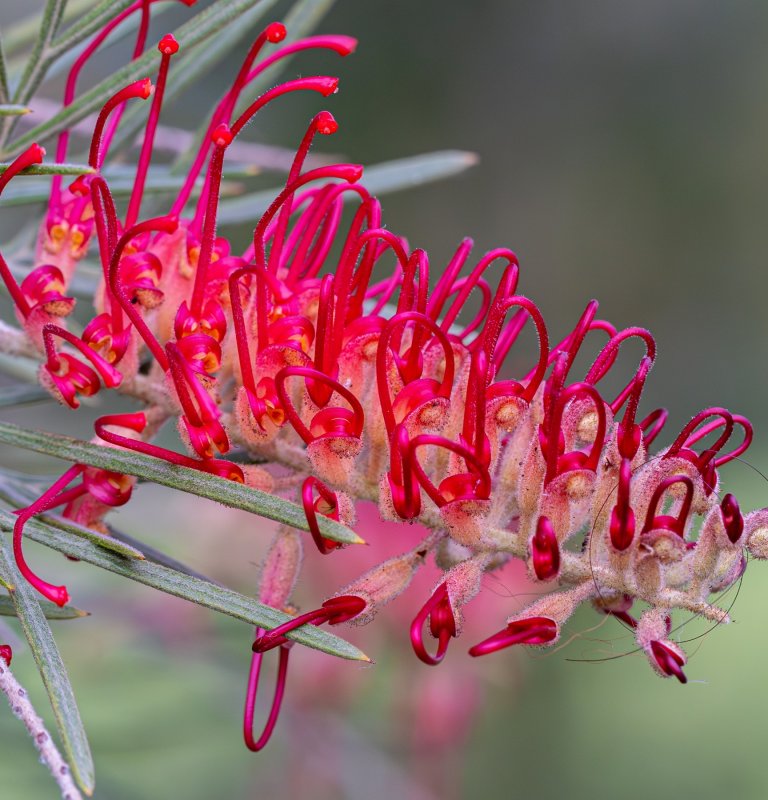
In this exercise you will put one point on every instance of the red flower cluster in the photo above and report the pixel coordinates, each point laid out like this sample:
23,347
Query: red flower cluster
324,348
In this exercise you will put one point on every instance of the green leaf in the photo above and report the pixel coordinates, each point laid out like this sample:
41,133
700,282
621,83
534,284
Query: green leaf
5,94
10,110
21,34
52,670
389,176
200,28
37,63
51,610
53,169
187,587
227,492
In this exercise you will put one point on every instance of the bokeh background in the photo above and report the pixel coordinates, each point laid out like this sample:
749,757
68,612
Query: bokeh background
623,156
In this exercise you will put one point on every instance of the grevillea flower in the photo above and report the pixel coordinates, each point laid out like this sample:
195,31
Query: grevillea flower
328,349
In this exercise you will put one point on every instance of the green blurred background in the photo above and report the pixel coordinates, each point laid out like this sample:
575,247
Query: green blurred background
623,156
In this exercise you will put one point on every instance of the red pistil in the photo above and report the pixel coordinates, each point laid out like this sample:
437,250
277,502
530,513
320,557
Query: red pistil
417,391
531,631
675,524
330,422
403,485
442,626
629,434
622,525
254,673
551,432
545,550
32,155
6,654
326,504
334,611
139,89
325,124
497,343
137,422
52,497
166,225
168,46
607,357
472,485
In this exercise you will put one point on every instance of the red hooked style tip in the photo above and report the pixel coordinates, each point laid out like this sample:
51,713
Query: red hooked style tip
222,136
668,660
732,518
531,631
442,626
326,85
168,45
545,551
32,155
275,32
144,88
6,654
325,123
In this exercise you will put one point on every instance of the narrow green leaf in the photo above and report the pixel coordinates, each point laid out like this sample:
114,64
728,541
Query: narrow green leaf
21,395
21,34
9,110
51,610
52,670
389,176
53,169
187,587
158,556
229,493
5,94
37,63
201,27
